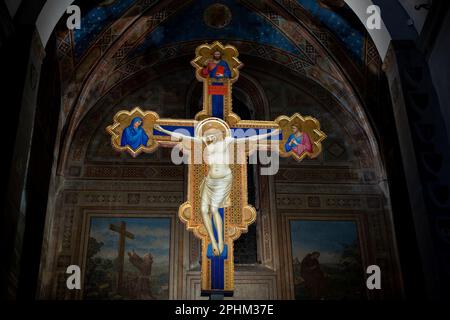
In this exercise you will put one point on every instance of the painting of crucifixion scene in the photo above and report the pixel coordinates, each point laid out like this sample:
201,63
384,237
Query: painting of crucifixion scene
127,258
326,260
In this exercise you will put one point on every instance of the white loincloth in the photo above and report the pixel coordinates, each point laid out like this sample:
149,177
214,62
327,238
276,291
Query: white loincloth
216,192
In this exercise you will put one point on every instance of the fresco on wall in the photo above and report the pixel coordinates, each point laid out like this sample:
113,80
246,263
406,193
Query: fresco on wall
198,21
339,19
127,259
326,260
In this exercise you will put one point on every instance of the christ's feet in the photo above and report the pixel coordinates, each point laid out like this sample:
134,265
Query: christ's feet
215,249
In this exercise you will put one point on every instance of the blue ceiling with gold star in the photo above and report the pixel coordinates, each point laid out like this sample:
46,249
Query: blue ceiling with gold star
245,25
189,24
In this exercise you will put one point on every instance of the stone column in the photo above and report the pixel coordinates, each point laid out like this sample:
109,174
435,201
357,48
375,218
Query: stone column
425,151
23,104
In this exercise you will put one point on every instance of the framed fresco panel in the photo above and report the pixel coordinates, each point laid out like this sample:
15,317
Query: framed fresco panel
327,259
126,257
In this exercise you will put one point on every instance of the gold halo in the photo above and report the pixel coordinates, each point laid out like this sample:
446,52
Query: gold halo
212,123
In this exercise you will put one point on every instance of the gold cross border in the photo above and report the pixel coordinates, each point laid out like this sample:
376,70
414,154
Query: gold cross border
123,119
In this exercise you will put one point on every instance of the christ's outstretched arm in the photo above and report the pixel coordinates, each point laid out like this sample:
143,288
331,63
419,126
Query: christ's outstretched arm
177,136
257,137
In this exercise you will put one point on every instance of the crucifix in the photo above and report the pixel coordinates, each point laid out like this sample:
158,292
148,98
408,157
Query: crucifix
123,234
215,146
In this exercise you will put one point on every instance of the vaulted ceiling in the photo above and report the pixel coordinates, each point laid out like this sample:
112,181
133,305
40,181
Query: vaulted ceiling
244,24
123,42
402,19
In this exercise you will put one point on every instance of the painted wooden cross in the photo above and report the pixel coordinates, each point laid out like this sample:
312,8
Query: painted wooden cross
123,234
216,210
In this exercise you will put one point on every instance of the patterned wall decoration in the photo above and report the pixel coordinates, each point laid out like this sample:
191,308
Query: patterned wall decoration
341,21
245,25
94,20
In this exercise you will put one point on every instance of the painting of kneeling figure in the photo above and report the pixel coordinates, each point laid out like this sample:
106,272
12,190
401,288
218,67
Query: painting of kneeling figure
326,257
127,259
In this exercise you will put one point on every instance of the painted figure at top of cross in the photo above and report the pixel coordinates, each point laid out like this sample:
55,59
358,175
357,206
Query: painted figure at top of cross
216,67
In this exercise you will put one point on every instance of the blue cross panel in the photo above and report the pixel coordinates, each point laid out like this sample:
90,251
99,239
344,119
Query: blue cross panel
217,262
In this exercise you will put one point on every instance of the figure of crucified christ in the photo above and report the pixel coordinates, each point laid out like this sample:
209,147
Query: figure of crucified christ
215,189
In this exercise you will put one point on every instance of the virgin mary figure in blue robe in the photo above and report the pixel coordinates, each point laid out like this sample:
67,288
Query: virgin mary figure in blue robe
134,135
